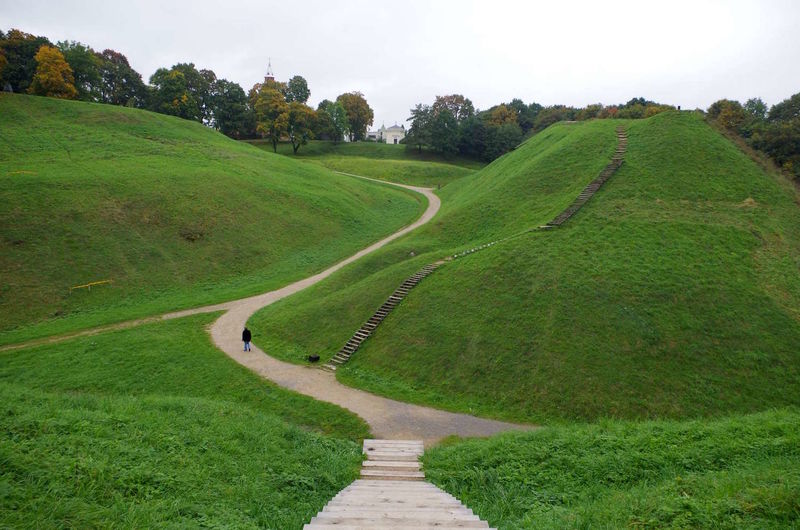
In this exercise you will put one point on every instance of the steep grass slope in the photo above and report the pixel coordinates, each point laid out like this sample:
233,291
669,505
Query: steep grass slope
514,193
176,214
673,293
395,163
154,427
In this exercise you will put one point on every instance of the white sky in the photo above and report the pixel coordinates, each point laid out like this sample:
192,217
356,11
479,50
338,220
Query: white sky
687,53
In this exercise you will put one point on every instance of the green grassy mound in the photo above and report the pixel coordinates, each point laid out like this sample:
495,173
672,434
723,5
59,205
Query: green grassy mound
673,293
382,161
510,195
176,214
154,427
738,472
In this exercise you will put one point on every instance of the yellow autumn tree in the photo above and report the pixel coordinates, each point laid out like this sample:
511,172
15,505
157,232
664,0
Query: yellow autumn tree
272,115
53,75
501,115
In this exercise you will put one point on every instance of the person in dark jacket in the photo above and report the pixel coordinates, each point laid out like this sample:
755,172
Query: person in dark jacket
246,336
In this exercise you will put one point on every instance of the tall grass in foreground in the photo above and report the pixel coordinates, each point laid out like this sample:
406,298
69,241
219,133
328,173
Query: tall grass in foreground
154,427
736,472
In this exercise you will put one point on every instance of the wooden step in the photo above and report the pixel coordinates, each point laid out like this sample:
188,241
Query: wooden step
392,522
391,475
392,465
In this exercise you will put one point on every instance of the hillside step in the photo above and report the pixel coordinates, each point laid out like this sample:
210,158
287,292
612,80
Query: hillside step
327,526
383,442
365,524
414,517
393,457
392,465
374,474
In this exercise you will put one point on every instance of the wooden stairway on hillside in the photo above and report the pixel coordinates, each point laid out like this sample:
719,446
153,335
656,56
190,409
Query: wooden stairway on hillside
392,493
366,329
591,189
350,347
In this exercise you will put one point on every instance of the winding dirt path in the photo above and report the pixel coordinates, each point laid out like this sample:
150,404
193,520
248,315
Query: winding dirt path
387,418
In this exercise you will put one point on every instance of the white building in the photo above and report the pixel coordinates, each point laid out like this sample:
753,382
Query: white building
389,135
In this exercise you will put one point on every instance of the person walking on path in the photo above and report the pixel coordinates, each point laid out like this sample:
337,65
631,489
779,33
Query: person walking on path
246,336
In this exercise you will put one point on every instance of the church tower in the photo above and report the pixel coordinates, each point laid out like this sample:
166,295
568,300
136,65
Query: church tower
270,77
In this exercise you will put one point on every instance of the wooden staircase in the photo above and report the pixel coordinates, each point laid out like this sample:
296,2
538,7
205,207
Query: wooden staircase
392,493
350,347
591,189
366,329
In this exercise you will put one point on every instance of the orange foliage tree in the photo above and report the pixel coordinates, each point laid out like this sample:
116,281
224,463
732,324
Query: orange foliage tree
53,75
501,115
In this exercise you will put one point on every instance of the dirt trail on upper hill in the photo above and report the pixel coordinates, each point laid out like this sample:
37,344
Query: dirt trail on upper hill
387,418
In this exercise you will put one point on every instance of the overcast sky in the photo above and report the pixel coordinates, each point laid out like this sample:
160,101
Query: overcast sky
687,53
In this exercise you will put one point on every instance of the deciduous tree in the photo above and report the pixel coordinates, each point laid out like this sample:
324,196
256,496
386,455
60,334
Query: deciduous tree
359,114
53,75
121,84
300,124
229,110
419,132
727,113
19,49
171,95
500,115
444,132
472,137
502,139
460,107
198,86
526,114
756,108
788,109
333,118
297,90
85,68
272,114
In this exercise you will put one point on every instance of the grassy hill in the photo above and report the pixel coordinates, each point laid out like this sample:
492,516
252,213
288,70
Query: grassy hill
673,293
175,213
737,472
395,163
155,427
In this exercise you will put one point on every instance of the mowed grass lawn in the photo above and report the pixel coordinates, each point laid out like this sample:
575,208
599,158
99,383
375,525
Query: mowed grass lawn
673,293
174,213
395,163
154,427
735,472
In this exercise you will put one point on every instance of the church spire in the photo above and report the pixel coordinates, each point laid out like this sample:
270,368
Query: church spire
270,76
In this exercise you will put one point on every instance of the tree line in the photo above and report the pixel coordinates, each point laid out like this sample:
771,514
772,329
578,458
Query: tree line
452,125
774,131
273,110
